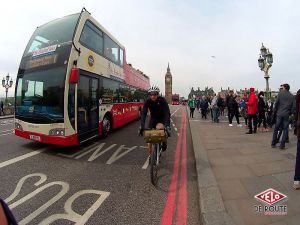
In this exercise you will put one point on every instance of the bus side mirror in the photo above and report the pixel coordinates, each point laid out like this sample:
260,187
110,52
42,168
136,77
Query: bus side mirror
74,76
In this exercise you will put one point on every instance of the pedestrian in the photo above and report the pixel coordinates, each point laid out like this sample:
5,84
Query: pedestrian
215,109
262,111
270,105
234,110
204,107
285,106
198,104
252,110
220,104
2,107
243,110
228,102
297,132
192,106
274,122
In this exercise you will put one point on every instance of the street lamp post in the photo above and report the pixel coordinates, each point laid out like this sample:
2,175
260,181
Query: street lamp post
265,62
6,83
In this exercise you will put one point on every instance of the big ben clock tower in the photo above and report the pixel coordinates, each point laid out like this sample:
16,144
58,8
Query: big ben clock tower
168,85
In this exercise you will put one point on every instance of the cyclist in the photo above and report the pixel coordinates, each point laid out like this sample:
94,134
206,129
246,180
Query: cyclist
159,112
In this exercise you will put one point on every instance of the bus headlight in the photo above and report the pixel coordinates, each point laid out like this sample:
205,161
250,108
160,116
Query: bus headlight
57,132
18,126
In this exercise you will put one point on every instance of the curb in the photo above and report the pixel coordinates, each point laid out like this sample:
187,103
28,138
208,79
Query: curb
212,209
6,117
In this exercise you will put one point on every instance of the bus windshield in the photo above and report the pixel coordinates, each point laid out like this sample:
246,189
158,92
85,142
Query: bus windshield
55,32
40,96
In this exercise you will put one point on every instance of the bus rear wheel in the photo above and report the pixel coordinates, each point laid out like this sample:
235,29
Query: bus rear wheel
106,126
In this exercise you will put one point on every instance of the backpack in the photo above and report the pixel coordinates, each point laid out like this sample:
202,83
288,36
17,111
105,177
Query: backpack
219,102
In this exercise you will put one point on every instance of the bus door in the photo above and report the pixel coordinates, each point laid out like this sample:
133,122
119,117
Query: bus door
87,107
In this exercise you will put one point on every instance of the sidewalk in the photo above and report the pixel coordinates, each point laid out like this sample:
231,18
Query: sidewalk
233,167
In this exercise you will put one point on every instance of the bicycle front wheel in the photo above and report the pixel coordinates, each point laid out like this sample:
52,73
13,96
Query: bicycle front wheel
154,164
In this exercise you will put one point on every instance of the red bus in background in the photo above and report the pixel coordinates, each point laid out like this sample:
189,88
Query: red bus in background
74,84
175,99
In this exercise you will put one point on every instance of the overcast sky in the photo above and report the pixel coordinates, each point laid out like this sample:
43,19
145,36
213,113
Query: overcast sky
185,33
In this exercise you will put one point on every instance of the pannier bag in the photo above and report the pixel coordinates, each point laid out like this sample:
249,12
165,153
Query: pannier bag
155,136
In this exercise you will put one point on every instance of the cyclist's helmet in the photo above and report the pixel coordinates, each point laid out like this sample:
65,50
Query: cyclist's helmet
153,89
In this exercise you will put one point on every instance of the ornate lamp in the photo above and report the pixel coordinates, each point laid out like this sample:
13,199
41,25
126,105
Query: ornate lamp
269,57
265,61
261,62
263,51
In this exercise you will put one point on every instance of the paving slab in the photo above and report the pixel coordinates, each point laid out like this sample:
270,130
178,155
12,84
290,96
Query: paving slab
269,168
242,212
285,179
231,172
255,185
233,189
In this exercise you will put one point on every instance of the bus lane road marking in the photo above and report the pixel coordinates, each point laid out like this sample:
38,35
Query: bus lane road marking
20,158
175,111
98,149
69,213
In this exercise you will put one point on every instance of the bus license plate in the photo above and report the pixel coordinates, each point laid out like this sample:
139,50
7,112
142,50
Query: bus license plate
35,138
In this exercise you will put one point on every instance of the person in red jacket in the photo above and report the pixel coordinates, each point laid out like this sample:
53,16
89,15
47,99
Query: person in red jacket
252,111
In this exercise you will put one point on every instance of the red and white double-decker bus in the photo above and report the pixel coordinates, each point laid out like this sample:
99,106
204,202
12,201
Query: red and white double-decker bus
74,83
175,99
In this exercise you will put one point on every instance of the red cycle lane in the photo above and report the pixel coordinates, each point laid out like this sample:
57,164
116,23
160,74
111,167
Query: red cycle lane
178,185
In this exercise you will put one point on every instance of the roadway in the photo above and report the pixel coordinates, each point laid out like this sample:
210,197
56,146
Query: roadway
104,181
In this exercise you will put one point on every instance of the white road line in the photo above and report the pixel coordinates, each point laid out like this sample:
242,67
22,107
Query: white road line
175,129
146,164
20,158
177,134
175,111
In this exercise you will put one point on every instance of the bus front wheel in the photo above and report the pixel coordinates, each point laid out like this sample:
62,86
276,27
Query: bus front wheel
106,126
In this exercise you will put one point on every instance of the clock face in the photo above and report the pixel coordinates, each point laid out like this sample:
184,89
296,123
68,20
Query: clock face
168,79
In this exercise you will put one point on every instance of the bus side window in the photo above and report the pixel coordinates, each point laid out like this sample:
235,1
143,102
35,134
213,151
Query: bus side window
110,91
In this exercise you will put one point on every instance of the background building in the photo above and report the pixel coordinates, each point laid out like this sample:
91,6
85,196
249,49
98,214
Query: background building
199,93
168,85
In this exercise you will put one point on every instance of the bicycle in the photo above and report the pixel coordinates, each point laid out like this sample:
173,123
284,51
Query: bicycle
155,137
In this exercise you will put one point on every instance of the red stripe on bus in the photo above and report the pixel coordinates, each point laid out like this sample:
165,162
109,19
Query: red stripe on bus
55,140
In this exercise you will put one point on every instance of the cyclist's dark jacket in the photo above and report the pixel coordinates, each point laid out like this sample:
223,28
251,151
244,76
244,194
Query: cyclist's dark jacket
159,111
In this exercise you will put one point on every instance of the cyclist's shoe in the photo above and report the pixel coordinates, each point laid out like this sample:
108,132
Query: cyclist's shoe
140,131
164,146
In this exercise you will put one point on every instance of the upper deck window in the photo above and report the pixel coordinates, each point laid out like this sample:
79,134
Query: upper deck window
111,50
55,32
92,37
121,57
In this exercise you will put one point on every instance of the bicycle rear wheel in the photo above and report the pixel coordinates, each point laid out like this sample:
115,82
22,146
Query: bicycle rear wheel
154,164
